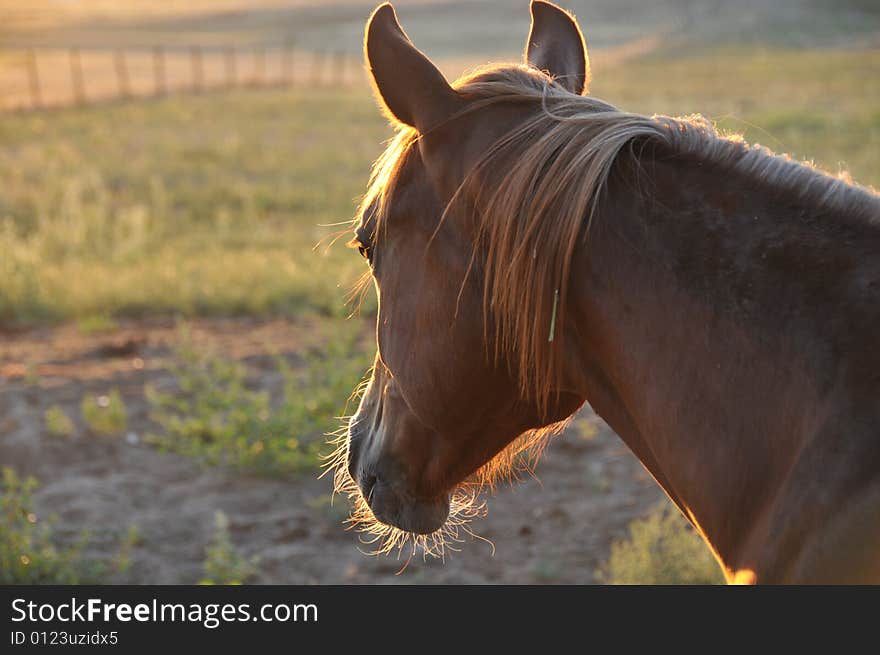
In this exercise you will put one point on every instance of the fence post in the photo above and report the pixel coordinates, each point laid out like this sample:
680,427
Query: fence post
121,74
76,77
159,70
287,63
34,80
197,75
230,56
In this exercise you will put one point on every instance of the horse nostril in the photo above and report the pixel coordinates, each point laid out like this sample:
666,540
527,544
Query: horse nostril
352,468
356,435
367,487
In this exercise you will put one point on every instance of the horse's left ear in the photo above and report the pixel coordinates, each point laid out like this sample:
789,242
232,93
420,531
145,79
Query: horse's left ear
409,86
556,46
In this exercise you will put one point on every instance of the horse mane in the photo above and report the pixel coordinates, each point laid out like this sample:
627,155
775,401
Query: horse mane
536,190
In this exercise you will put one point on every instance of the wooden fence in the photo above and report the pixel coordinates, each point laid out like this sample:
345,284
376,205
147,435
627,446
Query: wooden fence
36,79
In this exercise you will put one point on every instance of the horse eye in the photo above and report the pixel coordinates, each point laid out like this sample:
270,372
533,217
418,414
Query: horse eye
363,245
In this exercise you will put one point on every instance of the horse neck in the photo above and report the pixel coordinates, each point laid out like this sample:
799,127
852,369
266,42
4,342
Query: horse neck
679,347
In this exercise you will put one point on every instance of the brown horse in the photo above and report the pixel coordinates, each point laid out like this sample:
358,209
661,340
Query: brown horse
534,248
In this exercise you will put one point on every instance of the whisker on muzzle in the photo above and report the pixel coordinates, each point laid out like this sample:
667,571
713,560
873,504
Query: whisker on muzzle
466,503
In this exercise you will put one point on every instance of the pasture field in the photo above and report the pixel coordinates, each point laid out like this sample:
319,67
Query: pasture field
213,204
174,338
198,205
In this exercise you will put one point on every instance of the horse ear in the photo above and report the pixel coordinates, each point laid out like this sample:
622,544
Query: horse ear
556,46
409,86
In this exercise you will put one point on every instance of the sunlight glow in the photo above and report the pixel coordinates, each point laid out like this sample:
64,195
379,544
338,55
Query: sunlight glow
466,504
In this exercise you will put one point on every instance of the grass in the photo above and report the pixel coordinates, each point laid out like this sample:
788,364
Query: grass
106,414
58,424
214,416
820,105
211,205
123,559
662,549
32,553
96,324
29,553
224,565
194,205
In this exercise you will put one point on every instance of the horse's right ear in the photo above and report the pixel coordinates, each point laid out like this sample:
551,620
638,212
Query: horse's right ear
556,46
409,86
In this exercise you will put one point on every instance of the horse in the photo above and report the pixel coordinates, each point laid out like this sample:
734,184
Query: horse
534,248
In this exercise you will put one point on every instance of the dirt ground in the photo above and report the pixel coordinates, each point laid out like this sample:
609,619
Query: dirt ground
556,529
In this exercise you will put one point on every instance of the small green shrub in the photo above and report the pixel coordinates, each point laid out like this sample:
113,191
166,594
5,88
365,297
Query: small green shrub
584,429
58,424
96,324
662,549
32,375
213,416
122,560
224,565
28,553
105,415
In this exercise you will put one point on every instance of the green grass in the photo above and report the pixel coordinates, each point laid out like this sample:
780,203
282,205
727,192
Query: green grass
122,561
58,424
211,204
214,416
224,565
662,549
193,205
106,414
96,324
29,552
820,105
32,552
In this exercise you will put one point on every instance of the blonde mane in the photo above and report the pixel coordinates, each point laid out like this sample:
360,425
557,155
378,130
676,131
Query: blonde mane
536,191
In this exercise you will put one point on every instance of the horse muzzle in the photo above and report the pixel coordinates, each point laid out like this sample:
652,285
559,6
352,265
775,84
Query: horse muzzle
396,508
388,499
385,481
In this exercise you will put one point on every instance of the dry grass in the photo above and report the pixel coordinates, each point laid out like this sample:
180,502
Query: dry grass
211,204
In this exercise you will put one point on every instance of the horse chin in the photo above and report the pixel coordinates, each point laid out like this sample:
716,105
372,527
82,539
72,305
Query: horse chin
414,515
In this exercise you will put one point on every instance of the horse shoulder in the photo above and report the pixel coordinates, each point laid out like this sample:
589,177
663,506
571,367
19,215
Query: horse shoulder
823,524
848,550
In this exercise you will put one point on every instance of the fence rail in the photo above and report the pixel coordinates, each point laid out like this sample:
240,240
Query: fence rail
39,78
